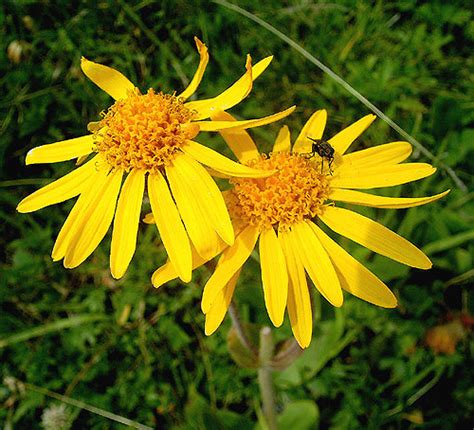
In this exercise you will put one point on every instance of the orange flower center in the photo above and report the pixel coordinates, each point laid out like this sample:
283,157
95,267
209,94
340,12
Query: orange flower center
144,131
297,191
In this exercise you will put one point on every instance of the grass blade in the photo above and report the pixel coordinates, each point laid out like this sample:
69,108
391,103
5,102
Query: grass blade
50,328
347,87
85,406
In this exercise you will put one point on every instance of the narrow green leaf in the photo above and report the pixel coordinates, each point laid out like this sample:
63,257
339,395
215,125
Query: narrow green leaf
448,242
52,327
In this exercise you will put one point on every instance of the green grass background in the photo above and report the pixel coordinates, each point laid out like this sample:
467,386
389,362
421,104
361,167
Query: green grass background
141,353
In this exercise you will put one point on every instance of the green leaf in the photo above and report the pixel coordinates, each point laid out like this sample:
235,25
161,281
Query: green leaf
239,353
301,415
446,116
449,242
326,345
50,328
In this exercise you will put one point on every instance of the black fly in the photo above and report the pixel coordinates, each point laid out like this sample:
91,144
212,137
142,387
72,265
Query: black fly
324,150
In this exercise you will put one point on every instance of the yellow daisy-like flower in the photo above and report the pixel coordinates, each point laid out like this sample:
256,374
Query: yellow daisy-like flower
146,138
281,212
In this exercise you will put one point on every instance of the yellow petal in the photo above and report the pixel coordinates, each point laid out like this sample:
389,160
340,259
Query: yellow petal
203,60
163,274
216,161
390,153
355,277
282,142
216,174
341,141
234,94
364,199
149,219
374,236
170,226
260,67
81,160
299,302
109,80
124,235
93,187
274,275
231,260
313,128
209,196
60,190
219,307
96,221
223,125
381,176
200,231
167,272
316,262
61,151
239,141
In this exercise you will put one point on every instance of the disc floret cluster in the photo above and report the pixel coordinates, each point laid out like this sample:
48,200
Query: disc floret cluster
297,191
144,131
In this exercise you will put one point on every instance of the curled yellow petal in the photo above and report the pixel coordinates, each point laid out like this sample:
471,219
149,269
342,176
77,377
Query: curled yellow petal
61,151
60,190
234,94
364,199
374,236
109,80
238,140
203,60
223,125
274,275
313,128
355,277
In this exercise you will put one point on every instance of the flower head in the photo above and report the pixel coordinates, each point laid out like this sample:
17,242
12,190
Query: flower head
282,213
146,139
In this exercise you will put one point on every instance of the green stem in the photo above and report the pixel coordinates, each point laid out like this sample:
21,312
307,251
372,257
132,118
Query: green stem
265,378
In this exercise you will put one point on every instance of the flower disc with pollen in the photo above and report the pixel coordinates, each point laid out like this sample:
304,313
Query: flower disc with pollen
144,131
296,191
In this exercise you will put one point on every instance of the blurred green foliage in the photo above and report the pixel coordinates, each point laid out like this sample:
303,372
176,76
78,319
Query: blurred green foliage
125,347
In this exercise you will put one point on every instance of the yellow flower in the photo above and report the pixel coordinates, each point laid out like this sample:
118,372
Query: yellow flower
147,138
282,212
